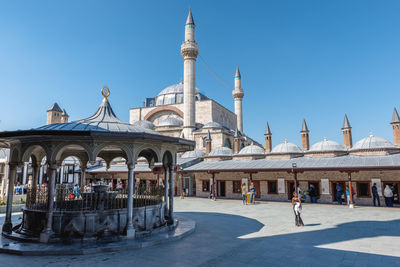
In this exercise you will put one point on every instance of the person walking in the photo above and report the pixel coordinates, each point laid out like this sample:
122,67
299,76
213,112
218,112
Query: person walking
244,194
253,193
313,194
296,202
339,193
348,195
388,193
375,195
76,191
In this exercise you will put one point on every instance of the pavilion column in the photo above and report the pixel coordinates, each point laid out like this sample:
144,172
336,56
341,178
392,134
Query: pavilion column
48,230
7,226
25,173
181,183
213,186
41,174
171,195
130,230
166,187
350,191
83,176
35,178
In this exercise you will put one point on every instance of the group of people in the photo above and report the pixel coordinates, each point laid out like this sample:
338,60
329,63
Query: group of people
340,193
252,193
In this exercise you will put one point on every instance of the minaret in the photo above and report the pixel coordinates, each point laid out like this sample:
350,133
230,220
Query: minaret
189,52
236,142
208,143
268,140
305,139
346,129
238,94
396,127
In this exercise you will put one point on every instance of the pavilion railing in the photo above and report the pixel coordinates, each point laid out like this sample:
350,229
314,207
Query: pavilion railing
68,199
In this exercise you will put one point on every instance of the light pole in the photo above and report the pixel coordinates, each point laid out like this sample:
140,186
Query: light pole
294,166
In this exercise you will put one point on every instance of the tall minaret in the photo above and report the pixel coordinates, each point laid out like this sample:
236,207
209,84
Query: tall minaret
396,127
268,139
305,138
238,94
346,129
189,52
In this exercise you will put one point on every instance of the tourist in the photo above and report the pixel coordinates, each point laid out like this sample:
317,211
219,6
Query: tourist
296,202
388,193
71,195
253,193
348,195
244,194
339,192
76,190
313,194
375,195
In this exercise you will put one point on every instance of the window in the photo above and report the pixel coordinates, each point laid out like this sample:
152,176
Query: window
160,100
363,189
206,186
236,187
272,187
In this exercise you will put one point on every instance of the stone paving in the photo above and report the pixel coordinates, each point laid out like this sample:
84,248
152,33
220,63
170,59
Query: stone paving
230,234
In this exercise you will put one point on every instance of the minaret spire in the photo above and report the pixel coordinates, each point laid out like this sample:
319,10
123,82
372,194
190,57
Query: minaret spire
238,95
189,52
305,138
268,139
396,127
346,130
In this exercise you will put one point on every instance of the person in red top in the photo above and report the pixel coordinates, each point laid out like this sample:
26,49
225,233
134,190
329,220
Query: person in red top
71,195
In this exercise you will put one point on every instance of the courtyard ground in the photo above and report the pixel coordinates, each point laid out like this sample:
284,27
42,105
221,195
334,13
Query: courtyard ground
230,234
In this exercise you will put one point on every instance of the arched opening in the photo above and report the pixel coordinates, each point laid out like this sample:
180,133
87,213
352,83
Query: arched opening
228,143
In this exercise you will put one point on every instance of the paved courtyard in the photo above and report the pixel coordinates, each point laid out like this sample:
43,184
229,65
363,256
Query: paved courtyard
230,234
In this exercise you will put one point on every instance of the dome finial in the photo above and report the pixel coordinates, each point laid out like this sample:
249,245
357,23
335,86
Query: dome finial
181,80
105,91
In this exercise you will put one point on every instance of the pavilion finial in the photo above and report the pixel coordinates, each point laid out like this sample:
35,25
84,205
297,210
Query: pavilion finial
105,91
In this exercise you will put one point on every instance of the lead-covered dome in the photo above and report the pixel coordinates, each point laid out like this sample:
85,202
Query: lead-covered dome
170,121
286,148
212,125
197,153
326,146
173,94
373,142
221,151
252,150
144,124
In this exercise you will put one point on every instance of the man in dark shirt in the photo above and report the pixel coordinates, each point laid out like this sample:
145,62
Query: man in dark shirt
375,195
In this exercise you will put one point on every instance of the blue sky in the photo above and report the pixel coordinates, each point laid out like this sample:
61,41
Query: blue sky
299,59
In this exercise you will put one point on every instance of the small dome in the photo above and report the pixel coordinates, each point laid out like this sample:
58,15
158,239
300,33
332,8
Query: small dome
221,151
326,145
212,125
372,142
144,124
170,121
286,147
252,150
193,154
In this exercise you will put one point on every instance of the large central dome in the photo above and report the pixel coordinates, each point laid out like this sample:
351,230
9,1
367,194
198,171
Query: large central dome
173,94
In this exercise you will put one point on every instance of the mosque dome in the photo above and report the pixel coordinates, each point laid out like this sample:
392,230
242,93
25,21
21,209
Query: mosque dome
193,154
221,151
173,94
212,125
252,150
286,148
326,145
144,124
170,121
373,142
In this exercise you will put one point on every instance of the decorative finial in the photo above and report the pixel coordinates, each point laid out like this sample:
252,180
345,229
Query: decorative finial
181,80
105,91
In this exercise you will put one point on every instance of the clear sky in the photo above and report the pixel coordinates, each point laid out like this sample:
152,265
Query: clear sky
299,59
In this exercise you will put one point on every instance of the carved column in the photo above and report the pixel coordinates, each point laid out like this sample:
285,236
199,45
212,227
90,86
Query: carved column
35,180
166,187
130,230
83,176
7,226
48,231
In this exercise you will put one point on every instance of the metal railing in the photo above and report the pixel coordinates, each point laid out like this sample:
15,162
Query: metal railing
68,198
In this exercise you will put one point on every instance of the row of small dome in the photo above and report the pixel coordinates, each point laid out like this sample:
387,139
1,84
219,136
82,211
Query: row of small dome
173,122
368,143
